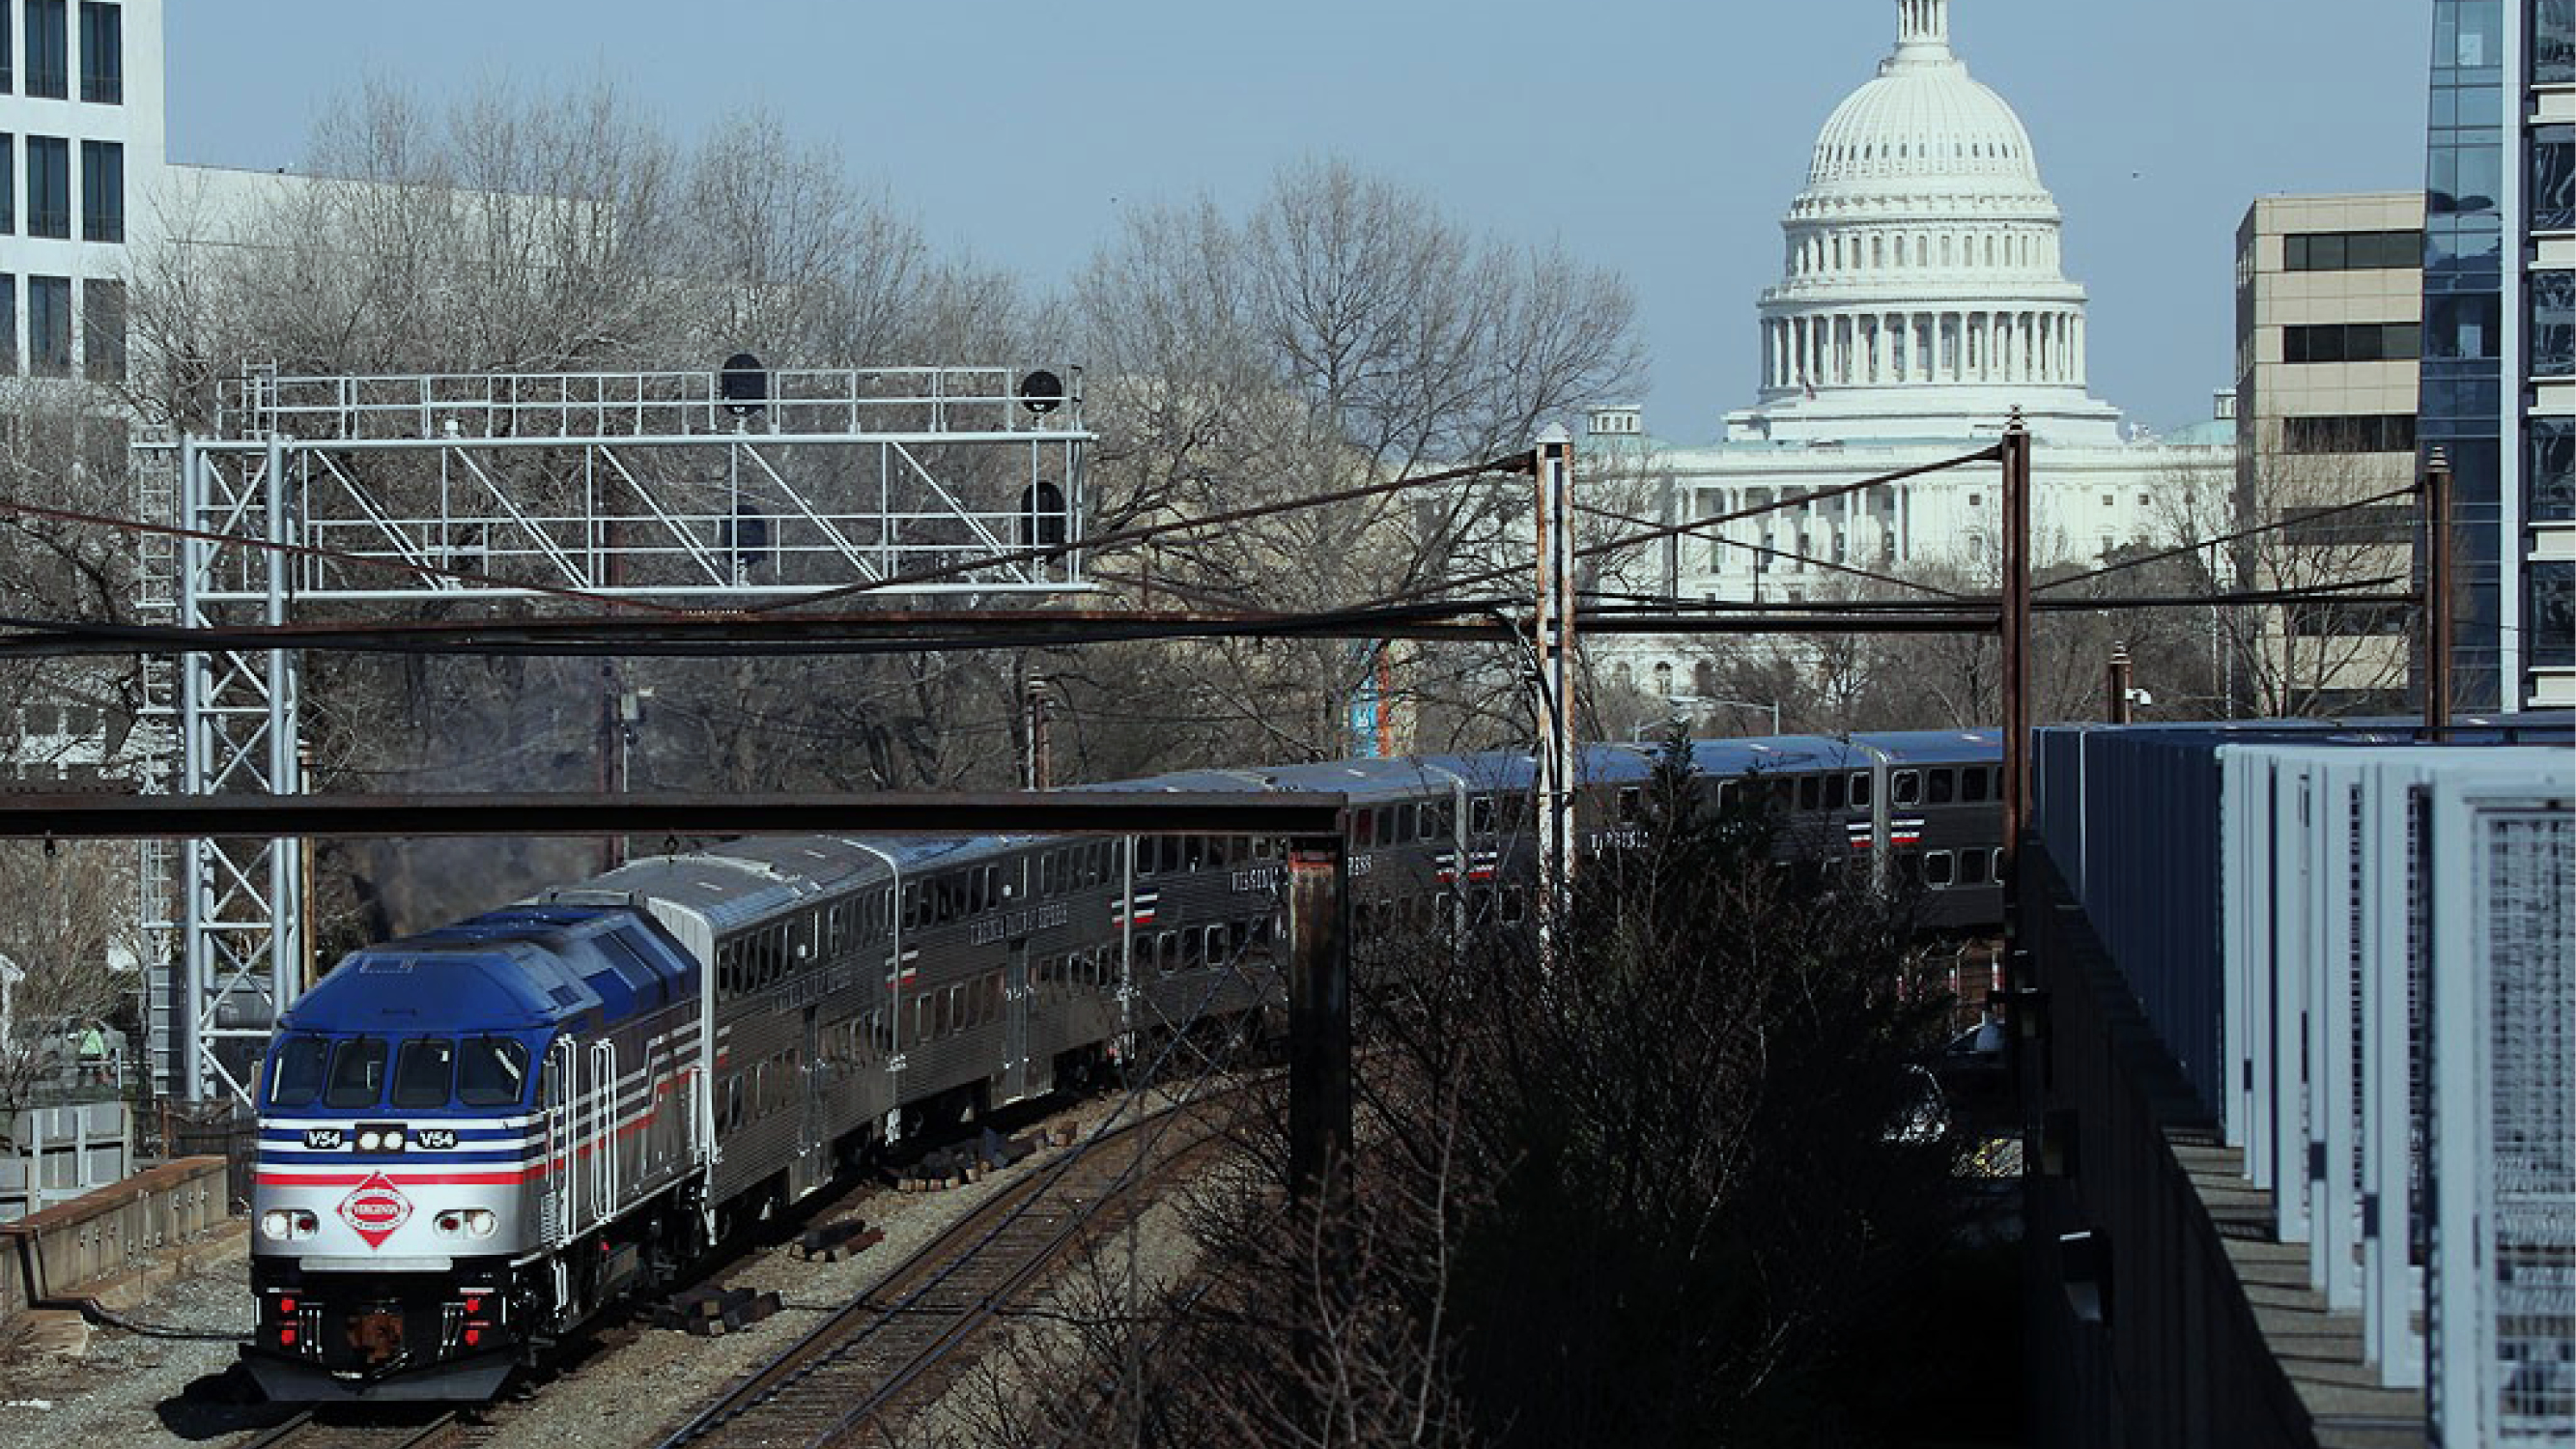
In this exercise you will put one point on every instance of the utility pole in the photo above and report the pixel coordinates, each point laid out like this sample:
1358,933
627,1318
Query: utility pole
1552,640
2438,563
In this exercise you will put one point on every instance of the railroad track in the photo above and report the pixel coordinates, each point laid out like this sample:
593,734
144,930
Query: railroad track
311,1430
898,1346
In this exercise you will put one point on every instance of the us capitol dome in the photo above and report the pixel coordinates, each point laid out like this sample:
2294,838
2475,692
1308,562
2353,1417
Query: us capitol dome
1922,283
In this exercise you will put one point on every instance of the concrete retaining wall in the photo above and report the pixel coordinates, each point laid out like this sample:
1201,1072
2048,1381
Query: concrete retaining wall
66,1250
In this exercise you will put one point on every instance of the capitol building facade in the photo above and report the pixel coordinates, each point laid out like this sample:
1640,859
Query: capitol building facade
1923,302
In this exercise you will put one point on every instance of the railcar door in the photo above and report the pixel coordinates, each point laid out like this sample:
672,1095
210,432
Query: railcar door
1015,1022
813,1164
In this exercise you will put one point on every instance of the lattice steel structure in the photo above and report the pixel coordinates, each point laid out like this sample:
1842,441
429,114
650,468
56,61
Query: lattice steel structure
610,490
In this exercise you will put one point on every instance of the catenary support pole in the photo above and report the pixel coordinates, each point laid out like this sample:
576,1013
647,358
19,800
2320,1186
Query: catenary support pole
2439,540
1552,638
2119,707
1319,1020
2015,630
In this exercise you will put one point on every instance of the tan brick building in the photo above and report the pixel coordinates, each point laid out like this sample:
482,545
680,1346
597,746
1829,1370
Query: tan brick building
2329,313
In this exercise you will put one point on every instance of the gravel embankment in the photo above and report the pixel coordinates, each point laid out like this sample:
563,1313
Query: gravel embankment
628,1388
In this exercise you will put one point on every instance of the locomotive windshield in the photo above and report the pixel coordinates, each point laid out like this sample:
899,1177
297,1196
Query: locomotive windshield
295,1077
357,1073
425,1072
493,1072
428,1072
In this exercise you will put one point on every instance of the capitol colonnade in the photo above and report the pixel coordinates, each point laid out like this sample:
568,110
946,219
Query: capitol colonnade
1879,348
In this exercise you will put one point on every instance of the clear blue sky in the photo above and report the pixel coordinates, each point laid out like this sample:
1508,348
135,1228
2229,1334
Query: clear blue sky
1660,137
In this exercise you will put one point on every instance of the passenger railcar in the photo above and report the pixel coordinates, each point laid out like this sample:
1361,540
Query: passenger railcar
473,1140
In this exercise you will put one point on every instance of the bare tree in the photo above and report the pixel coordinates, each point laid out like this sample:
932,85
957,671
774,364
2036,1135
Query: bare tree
1343,332
2298,521
1671,1192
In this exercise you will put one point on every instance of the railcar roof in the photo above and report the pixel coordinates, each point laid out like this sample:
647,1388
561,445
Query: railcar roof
1933,747
1365,781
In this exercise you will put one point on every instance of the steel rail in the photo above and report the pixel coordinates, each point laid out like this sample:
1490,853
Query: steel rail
833,1343
306,1428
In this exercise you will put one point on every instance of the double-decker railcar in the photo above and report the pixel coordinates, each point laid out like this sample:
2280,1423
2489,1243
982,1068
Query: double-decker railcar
473,1140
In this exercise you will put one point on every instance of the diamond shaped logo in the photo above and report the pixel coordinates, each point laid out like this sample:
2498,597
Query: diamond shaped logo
376,1210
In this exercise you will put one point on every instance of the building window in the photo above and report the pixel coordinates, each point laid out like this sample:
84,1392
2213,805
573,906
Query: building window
2352,251
2350,433
8,178
2552,35
49,50
2553,613
8,69
49,186
8,317
103,330
2549,472
102,54
49,326
102,191
2352,342
2553,178
2553,324
2463,326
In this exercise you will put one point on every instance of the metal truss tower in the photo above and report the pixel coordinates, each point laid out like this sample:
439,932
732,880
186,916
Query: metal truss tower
706,489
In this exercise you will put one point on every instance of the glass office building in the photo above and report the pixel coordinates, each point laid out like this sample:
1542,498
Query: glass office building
2499,368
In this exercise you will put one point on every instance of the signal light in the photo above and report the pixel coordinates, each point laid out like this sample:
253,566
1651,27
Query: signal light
286,1337
286,1305
473,1336
473,1305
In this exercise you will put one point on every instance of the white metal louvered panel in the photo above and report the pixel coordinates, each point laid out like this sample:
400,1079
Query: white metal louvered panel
2502,1293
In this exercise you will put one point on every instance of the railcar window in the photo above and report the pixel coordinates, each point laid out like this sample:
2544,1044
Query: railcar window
1725,795
1834,785
1972,867
1860,790
491,1071
1941,790
1480,815
1632,804
1216,952
1939,869
1972,783
296,1078
1363,828
424,1072
1998,855
1811,792
357,1073
1515,904
1906,787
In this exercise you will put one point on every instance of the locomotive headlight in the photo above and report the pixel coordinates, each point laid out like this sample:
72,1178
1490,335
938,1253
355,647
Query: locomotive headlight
281,1225
466,1223
370,1140
393,1139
